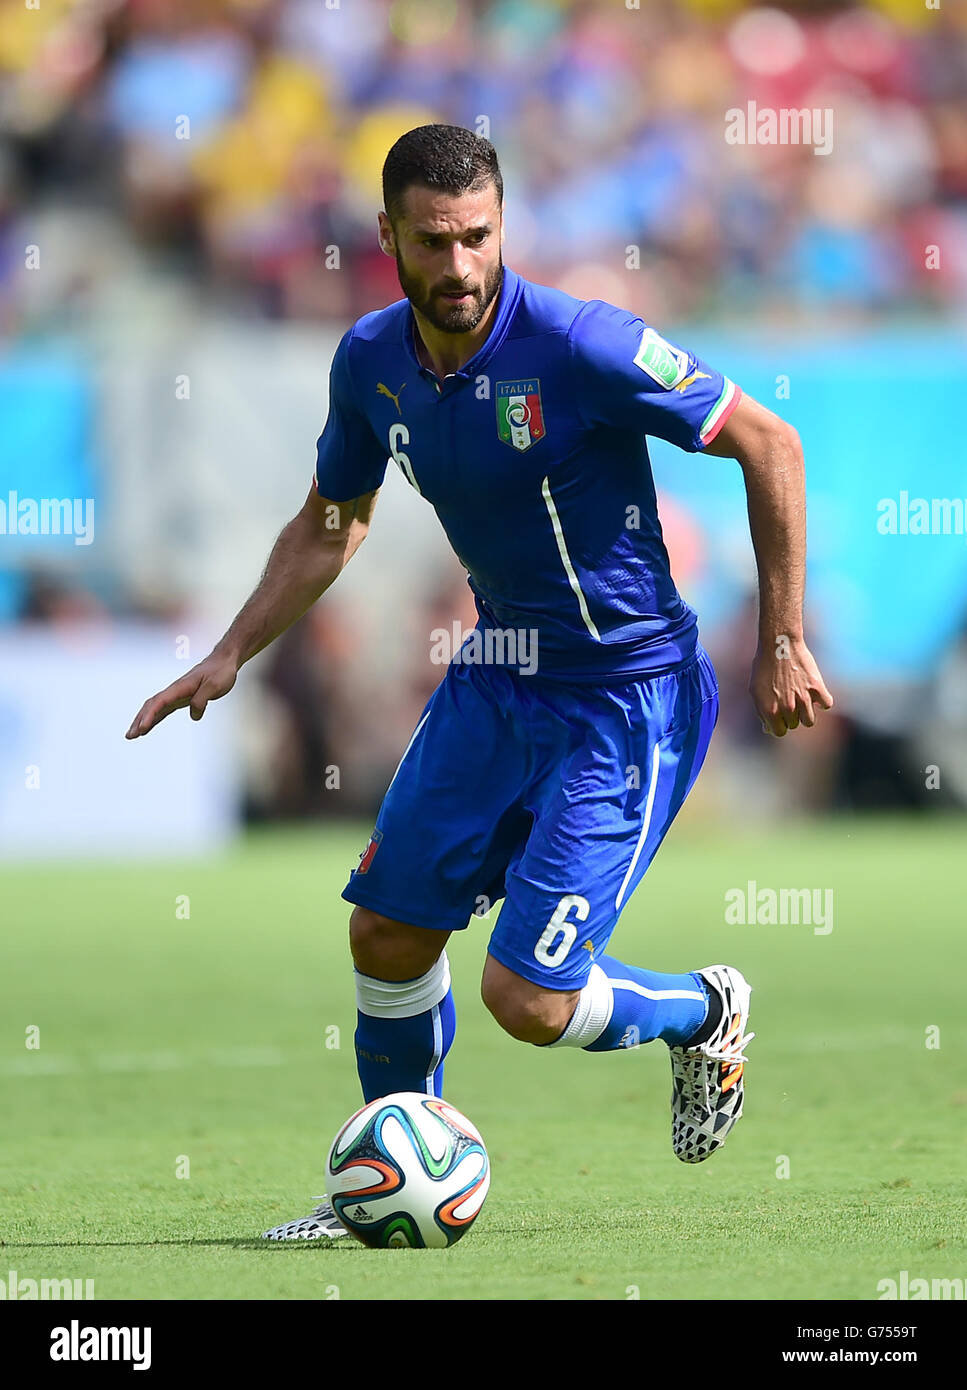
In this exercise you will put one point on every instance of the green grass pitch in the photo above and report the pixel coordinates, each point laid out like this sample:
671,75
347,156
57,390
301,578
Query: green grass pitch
208,1044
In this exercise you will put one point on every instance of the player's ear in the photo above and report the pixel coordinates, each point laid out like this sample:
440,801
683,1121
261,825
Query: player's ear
387,241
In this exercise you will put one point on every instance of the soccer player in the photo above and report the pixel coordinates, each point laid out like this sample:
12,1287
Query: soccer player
550,761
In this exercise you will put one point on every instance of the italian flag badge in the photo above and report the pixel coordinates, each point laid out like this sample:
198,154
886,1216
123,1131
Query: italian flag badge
520,418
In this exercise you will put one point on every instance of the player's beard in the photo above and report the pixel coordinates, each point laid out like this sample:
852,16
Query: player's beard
451,318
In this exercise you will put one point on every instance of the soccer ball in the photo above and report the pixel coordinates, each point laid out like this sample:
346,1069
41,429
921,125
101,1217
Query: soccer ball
407,1170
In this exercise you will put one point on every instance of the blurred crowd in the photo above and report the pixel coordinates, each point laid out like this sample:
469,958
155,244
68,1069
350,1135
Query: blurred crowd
240,142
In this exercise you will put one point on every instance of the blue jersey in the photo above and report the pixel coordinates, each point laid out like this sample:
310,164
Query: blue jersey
534,457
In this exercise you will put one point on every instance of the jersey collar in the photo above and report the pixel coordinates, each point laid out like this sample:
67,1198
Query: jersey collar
511,289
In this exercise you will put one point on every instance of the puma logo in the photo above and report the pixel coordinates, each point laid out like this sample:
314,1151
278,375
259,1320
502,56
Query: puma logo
688,380
382,390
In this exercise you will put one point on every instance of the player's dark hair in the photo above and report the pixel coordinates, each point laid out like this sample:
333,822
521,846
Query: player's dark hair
447,158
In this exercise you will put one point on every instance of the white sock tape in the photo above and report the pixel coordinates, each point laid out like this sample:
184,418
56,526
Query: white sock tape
592,1013
403,998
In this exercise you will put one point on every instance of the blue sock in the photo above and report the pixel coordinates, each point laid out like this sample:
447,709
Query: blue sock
404,1029
622,1005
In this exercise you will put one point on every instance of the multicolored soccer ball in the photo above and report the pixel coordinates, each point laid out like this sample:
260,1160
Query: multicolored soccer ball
407,1170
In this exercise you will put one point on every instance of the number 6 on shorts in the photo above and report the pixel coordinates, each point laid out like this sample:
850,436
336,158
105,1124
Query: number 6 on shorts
558,923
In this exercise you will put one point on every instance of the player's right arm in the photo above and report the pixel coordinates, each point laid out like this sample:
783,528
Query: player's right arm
310,553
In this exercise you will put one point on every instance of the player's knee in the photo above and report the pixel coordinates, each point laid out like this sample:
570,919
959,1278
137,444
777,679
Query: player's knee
525,1012
390,950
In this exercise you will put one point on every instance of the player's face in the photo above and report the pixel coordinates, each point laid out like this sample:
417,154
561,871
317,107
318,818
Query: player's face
447,254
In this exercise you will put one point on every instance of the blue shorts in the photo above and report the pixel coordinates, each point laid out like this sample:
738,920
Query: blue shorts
554,797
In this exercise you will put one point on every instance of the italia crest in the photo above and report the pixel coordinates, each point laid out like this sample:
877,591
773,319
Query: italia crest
520,417
368,854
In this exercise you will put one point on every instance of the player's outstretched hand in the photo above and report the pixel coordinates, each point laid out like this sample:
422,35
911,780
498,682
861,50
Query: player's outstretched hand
787,688
209,680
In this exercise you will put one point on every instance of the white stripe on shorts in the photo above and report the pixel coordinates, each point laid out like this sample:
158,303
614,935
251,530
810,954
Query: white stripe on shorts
649,806
408,747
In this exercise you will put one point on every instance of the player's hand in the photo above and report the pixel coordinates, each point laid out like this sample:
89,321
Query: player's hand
209,680
787,688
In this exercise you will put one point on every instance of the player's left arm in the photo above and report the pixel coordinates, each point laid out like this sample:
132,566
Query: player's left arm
786,685
627,376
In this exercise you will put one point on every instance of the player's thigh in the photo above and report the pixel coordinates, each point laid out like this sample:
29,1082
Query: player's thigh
599,823
450,819
527,1011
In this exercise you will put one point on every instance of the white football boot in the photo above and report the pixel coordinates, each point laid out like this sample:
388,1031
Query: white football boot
320,1224
707,1084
